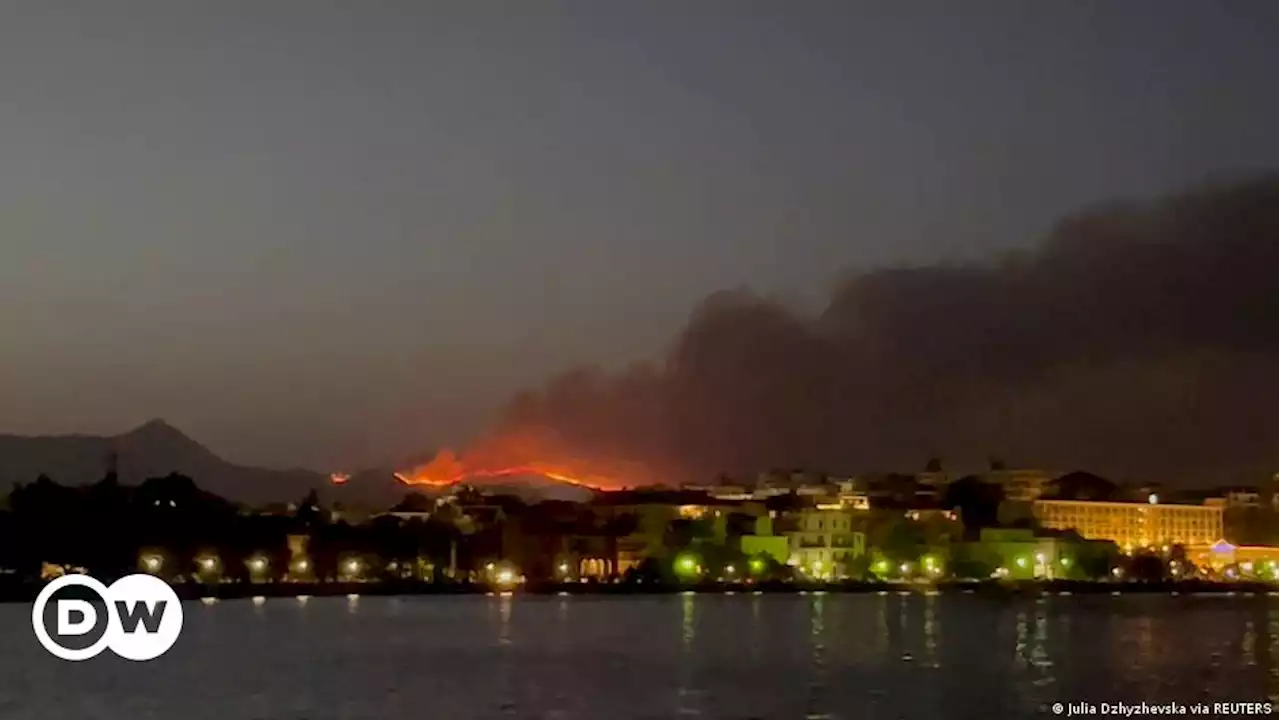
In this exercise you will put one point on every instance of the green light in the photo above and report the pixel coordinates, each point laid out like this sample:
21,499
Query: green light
881,567
1022,562
757,565
687,565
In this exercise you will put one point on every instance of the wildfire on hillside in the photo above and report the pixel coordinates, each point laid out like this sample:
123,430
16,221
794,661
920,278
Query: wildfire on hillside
523,454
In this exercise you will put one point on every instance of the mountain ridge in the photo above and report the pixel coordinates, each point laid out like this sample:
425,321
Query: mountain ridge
154,448
157,448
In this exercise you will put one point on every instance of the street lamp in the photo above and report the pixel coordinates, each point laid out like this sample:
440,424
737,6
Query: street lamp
686,566
257,566
208,565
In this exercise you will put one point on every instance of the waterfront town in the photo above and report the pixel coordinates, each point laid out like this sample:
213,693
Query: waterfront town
782,527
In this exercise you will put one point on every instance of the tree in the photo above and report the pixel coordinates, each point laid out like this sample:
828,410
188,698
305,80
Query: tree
1147,567
978,502
648,571
1083,486
973,561
765,567
857,567
683,532
309,513
46,516
899,538
414,502
1095,560
717,559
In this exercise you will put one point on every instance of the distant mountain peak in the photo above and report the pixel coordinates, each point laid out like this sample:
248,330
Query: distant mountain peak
154,424
162,440
157,429
153,449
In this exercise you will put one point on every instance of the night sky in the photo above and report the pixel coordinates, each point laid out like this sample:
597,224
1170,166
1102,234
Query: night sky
333,237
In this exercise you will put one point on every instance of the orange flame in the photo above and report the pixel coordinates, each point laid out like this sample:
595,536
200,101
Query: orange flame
524,454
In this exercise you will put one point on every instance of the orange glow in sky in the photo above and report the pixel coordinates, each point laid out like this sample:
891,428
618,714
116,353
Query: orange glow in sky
521,454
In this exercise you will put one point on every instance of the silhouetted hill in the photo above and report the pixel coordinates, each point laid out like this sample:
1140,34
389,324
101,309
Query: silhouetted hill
150,450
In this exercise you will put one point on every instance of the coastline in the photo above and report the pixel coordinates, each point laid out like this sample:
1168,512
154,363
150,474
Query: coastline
26,592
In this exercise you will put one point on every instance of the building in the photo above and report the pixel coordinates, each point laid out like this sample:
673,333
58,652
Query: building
1250,560
762,541
852,494
1133,525
1013,554
1025,485
1242,497
668,520
931,484
821,540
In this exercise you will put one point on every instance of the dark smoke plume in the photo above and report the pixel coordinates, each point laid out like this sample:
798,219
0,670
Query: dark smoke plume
1138,341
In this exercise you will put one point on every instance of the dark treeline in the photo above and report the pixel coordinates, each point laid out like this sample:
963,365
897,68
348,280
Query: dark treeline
108,528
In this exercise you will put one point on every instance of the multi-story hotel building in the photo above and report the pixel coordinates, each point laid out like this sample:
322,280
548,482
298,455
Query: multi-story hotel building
1133,525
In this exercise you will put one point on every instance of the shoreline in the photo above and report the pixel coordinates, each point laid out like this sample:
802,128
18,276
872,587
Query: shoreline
26,592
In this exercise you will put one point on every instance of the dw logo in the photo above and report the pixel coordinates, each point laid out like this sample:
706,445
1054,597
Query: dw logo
76,617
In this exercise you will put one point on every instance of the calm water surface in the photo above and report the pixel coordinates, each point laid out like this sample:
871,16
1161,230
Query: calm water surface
704,656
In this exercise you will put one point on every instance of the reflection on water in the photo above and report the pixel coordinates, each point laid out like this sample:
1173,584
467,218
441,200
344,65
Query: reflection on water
815,699
930,631
687,696
818,656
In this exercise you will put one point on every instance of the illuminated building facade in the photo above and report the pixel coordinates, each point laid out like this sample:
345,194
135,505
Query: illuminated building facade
823,539
1223,554
1133,525
853,495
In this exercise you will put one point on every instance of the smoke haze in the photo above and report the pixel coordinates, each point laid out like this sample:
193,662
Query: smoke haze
1137,341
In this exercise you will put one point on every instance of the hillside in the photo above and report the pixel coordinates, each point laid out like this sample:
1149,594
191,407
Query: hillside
153,449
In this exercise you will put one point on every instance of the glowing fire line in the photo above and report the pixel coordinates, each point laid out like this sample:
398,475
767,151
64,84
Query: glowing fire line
567,479
527,452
